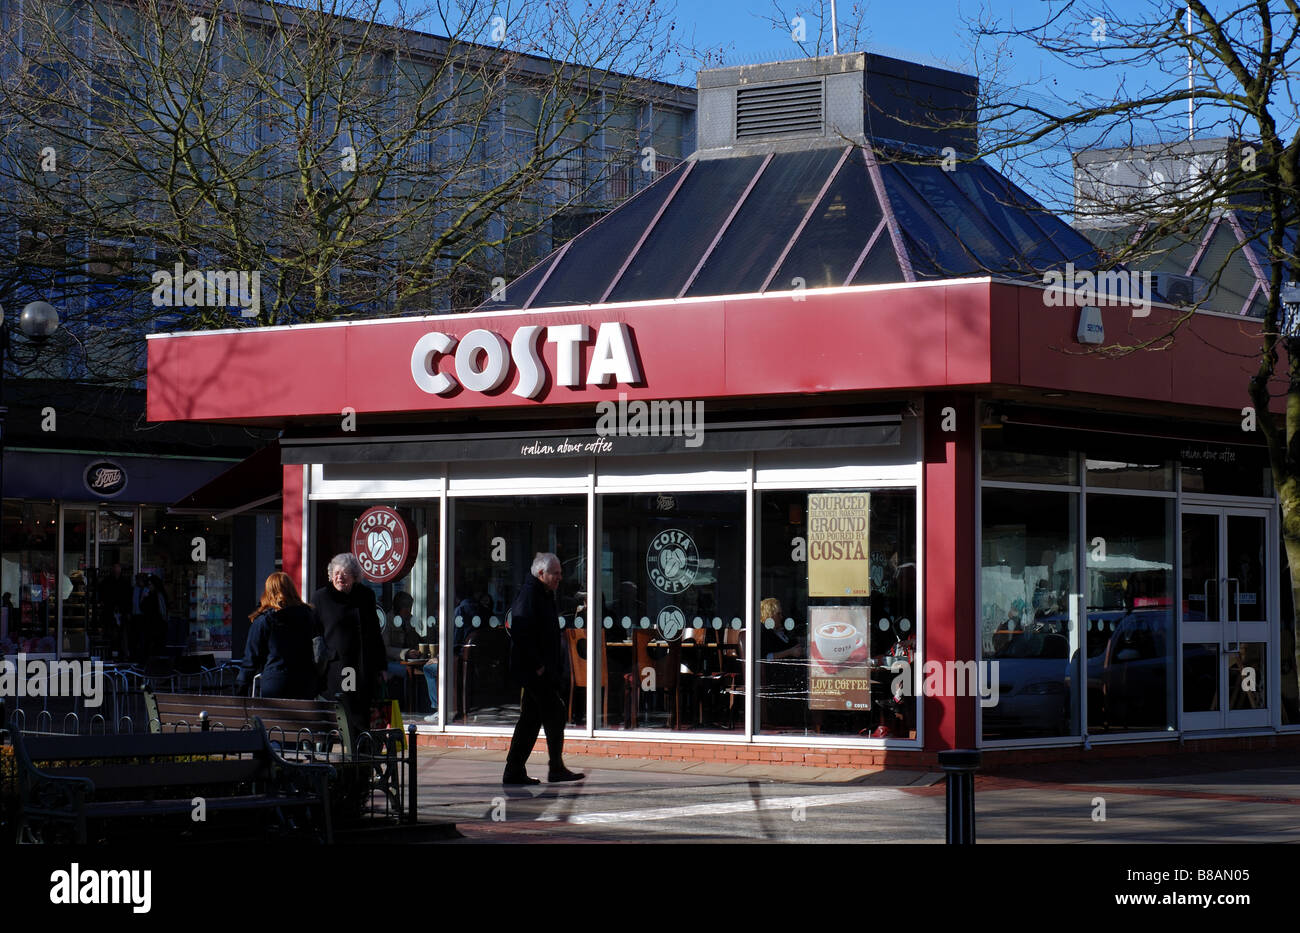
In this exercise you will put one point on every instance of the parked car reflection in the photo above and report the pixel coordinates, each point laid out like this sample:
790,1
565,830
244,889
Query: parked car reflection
1034,691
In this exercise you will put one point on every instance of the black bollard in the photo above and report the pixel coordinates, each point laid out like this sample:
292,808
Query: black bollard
413,772
960,766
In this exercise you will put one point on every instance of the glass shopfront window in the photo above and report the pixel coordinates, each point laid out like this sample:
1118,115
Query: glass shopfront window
672,584
1016,466
198,594
816,547
407,602
29,601
1027,578
1129,633
1124,474
495,542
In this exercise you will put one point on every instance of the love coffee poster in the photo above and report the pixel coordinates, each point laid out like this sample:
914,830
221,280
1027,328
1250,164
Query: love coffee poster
839,652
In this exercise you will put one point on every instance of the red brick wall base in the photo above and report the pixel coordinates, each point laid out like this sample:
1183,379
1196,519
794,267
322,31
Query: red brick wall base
864,758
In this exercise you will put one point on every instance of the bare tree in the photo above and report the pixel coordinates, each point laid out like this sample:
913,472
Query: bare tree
235,163
809,25
1156,75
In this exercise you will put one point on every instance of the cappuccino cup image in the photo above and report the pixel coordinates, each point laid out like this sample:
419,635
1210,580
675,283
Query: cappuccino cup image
836,641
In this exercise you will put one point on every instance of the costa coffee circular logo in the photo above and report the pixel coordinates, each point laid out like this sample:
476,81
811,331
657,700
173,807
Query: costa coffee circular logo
104,478
381,544
672,561
670,623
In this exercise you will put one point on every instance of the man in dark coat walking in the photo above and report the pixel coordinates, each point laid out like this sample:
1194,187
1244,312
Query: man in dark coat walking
537,665
354,646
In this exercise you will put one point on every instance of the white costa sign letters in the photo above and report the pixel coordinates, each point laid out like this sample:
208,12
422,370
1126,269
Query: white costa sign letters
483,359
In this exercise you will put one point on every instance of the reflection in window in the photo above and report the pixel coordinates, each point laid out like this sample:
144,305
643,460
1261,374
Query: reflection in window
407,606
787,650
1027,577
199,596
1247,688
495,542
1019,467
29,602
1129,631
1122,474
672,585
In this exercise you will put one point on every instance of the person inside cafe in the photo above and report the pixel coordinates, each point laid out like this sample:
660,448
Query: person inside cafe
400,642
784,677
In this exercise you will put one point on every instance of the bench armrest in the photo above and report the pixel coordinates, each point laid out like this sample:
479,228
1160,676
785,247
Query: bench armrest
40,790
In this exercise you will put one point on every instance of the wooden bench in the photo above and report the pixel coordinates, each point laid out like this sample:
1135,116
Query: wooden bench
310,730
103,778
290,723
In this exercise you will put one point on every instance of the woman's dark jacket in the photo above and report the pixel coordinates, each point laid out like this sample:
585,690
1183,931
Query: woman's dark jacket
535,637
352,638
279,648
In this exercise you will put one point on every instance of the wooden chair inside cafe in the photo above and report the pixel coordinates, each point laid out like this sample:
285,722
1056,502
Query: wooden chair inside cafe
733,669
576,639
667,678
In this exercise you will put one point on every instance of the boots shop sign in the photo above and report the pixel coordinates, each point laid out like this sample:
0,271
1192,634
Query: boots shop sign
482,360
381,544
104,478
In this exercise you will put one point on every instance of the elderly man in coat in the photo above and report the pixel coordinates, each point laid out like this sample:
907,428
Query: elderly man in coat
537,665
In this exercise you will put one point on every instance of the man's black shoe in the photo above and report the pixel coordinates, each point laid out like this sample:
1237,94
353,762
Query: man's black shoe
564,774
516,779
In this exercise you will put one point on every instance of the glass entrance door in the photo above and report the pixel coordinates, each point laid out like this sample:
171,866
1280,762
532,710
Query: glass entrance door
1226,582
94,600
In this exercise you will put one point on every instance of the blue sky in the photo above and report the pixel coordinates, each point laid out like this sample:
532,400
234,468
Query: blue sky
939,32
927,33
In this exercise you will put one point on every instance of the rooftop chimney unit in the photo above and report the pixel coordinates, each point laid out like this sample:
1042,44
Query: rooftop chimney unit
781,106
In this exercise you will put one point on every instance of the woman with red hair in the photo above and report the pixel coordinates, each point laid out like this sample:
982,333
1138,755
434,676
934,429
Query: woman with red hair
279,643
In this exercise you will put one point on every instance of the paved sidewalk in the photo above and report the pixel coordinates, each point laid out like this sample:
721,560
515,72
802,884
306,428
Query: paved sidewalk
1230,797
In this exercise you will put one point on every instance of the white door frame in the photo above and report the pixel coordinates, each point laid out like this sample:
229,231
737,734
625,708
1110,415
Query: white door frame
1224,625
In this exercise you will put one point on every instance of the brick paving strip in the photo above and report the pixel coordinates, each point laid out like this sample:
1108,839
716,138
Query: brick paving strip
993,783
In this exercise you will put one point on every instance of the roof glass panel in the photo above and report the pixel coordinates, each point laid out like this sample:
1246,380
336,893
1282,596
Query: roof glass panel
1225,260
764,224
687,227
992,252
836,233
934,250
517,292
1256,228
881,265
1073,246
595,255
991,194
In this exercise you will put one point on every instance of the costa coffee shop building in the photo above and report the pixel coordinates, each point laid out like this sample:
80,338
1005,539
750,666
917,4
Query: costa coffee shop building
876,452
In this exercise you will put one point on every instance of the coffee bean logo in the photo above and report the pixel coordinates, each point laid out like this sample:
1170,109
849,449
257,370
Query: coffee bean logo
672,561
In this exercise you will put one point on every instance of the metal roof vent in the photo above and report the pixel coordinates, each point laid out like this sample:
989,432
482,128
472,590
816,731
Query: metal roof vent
780,109
828,101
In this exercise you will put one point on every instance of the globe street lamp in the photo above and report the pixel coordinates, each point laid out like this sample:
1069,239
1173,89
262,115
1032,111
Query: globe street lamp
38,321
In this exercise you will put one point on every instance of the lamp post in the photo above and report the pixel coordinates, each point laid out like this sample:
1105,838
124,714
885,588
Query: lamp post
38,322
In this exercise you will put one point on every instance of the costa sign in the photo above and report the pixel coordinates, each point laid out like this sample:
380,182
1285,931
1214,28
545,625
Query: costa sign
381,544
483,360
